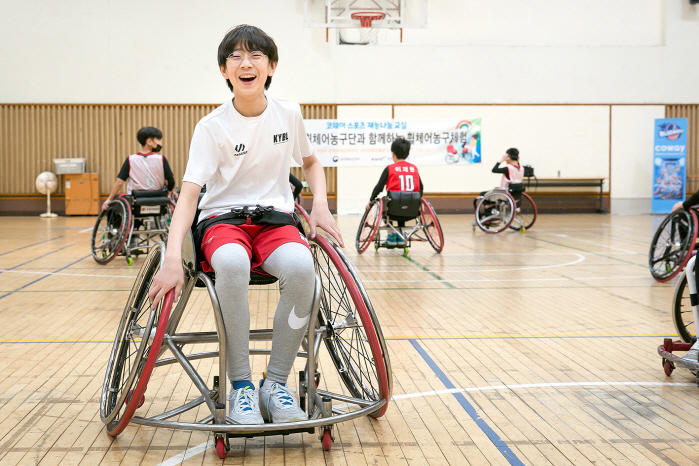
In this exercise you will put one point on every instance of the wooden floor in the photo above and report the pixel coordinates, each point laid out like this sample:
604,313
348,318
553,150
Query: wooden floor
535,348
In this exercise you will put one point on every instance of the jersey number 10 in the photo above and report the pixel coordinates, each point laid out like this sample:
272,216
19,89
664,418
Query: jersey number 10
406,183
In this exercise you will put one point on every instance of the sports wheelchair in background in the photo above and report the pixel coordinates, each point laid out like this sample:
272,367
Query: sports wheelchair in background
131,225
342,320
399,206
500,208
673,244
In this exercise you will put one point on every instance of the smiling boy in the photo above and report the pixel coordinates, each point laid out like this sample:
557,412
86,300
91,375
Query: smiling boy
242,152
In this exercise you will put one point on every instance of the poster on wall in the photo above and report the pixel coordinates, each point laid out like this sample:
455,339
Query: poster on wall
368,142
669,164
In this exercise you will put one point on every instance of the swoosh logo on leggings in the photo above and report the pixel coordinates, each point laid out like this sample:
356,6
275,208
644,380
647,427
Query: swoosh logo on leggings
295,322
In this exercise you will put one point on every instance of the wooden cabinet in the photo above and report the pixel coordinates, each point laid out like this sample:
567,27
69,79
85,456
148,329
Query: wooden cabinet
82,194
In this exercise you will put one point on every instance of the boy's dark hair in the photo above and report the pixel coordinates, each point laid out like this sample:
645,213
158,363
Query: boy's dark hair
146,133
401,148
513,153
250,39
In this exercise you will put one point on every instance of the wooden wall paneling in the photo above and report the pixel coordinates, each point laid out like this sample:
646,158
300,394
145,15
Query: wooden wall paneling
319,112
691,112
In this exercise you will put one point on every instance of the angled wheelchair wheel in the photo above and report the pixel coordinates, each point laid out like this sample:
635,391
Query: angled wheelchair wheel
672,244
526,213
303,216
495,212
431,226
110,232
135,349
682,315
356,344
368,226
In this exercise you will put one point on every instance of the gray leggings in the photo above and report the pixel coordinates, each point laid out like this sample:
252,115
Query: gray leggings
292,264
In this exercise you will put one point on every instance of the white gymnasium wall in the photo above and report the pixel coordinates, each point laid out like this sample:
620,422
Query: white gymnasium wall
475,51
632,157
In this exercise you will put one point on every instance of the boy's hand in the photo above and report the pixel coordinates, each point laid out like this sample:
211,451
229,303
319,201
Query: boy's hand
504,157
105,204
321,217
169,277
368,206
677,206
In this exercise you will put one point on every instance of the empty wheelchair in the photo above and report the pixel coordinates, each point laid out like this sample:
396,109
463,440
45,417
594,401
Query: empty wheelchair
131,225
673,244
342,320
399,206
500,209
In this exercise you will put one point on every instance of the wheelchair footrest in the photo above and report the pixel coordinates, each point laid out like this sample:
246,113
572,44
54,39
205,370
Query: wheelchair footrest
311,430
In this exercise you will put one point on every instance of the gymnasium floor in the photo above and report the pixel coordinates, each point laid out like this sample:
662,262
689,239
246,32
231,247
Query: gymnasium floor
535,348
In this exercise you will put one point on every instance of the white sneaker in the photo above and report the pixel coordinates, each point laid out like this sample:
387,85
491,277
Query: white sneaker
278,404
244,406
693,353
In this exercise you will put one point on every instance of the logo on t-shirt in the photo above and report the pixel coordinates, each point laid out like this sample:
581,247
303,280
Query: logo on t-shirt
281,138
240,150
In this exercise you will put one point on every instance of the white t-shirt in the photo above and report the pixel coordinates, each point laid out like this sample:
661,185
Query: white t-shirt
245,161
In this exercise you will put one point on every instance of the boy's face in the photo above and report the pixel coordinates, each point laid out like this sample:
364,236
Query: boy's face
247,71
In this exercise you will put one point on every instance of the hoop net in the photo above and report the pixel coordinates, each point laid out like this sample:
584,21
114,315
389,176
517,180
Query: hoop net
368,34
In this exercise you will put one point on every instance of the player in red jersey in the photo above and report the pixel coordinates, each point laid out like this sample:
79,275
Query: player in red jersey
399,176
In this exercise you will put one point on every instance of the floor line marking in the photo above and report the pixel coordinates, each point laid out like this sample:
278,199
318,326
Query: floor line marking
86,230
399,338
25,247
41,278
439,279
542,385
560,235
509,279
580,259
468,407
66,274
177,459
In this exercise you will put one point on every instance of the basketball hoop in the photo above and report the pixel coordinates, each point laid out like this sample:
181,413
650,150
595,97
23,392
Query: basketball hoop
366,17
368,34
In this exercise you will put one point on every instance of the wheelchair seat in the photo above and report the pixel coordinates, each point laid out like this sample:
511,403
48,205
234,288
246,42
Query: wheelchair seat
193,257
144,203
403,205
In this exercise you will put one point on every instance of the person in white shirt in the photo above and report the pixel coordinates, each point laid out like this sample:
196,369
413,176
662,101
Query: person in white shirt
242,153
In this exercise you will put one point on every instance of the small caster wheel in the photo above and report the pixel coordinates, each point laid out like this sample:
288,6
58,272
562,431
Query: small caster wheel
221,451
327,440
668,367
473,227
129,261
376,246
302,398
405,251
697,379
522,230
140,401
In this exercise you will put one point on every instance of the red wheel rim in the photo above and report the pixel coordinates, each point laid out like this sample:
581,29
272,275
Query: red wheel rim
140,389
364,245
433,231
369,330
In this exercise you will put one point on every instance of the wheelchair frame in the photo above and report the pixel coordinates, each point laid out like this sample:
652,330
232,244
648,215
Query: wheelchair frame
669,360
515,207
430,228
133,241
163,335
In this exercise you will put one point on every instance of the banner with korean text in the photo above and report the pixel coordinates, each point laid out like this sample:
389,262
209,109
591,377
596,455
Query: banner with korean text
669,164
368,142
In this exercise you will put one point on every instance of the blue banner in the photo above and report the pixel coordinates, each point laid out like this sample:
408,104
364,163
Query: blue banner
669,164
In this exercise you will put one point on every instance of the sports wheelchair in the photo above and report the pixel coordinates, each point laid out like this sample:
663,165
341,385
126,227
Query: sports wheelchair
131,225
500,208
685,316
673,244
399,206
342,319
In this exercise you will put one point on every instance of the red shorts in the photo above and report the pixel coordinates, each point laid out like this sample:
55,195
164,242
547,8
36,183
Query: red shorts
258,240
